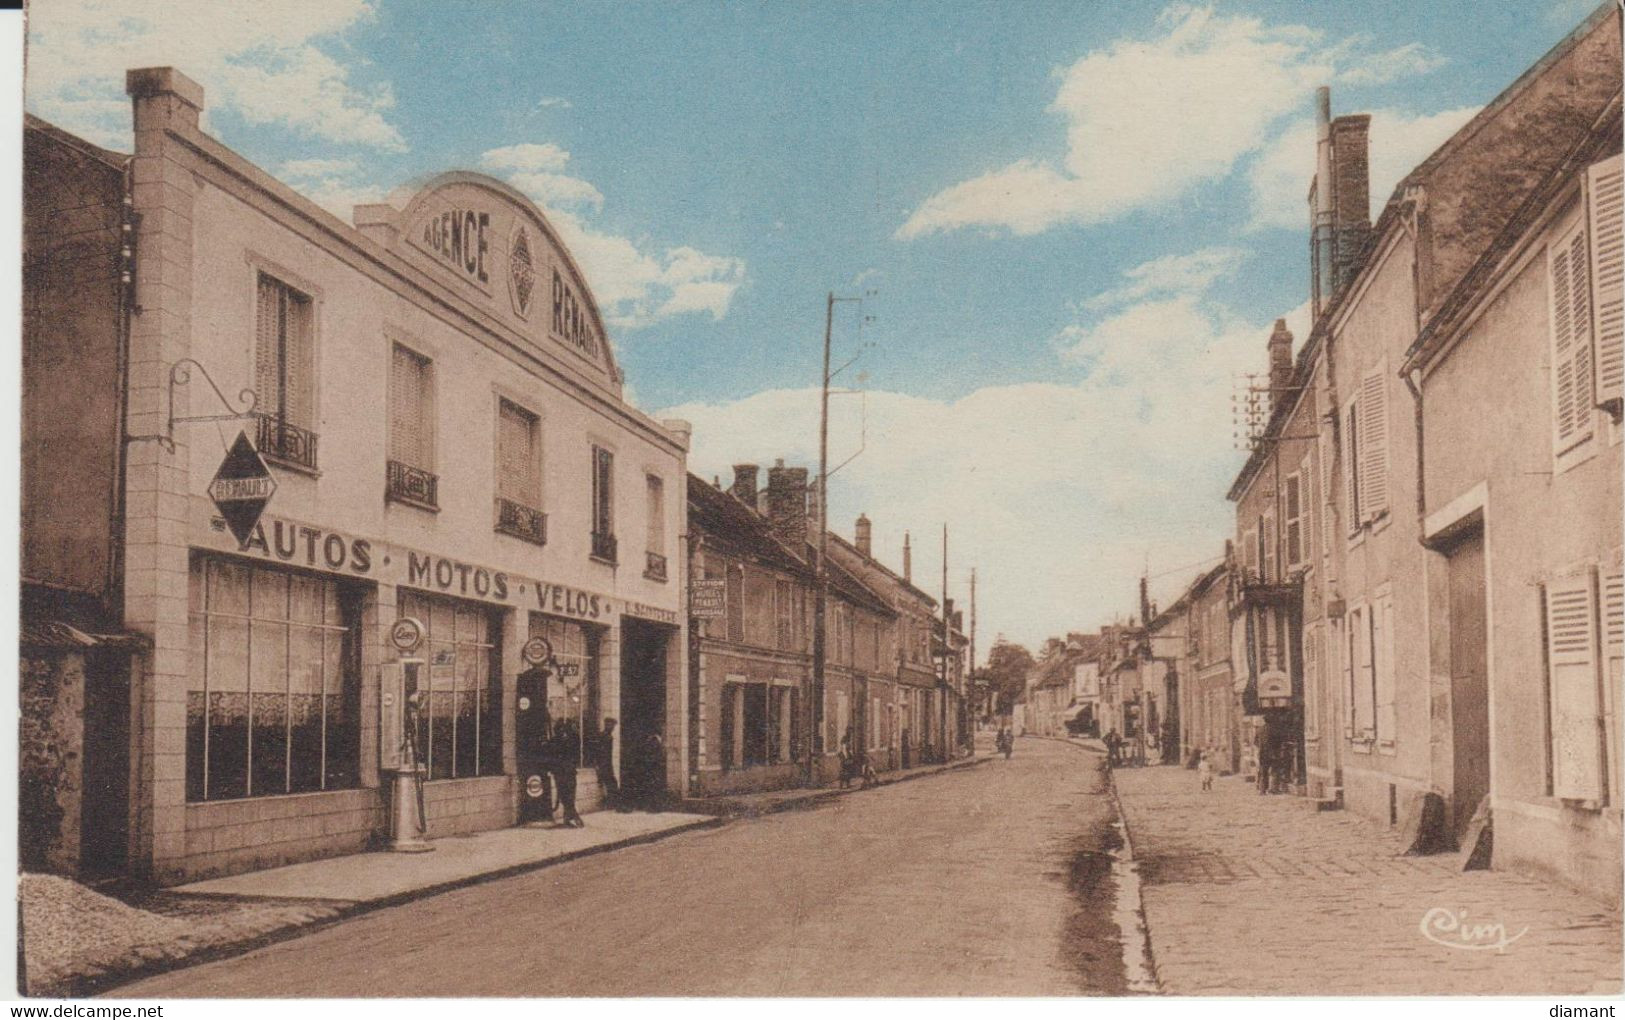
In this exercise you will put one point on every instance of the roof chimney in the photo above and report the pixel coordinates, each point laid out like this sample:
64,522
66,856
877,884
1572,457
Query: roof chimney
1145,601
862,535
744,487
1339,200
787,505
908,560
1280,348
164,97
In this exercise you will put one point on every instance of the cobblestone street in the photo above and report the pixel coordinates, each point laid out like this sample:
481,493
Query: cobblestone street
1250,895
982,881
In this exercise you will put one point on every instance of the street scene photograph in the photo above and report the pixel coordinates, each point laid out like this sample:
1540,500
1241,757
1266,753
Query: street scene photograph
897,499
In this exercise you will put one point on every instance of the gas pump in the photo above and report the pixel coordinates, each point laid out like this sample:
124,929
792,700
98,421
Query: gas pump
400,704
531,730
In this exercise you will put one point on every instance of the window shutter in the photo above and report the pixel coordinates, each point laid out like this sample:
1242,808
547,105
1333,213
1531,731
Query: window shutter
267,340
408,424
1294,520
1613,657
1571,343
1571,663
1311,681
1349,630
1373,445
1382,644
1605,203
299,398
516,456
1266,534
1351,466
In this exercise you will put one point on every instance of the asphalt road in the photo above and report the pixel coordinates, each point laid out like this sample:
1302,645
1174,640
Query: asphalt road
980,881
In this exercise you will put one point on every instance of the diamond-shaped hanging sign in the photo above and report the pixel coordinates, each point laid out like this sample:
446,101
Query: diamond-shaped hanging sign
241,488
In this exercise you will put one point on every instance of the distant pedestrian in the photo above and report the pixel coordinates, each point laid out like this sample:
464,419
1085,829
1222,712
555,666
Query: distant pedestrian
1005,743
602,752
1204,770
848,763
1112,742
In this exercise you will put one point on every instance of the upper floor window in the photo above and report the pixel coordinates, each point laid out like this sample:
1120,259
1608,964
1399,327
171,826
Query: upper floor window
519,474
603,504
1365,451
410,477
284,373
655,506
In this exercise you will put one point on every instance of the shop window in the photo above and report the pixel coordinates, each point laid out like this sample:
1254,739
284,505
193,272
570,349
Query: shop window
519,474
460,720
273,703
575,690
603,505
284,373
409,476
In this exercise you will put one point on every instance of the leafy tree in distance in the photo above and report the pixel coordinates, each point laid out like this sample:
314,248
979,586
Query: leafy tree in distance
1007,667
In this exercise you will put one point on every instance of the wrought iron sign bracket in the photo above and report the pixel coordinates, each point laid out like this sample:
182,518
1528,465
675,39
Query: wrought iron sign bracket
180,374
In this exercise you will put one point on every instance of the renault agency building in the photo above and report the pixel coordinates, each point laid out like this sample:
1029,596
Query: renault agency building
446,440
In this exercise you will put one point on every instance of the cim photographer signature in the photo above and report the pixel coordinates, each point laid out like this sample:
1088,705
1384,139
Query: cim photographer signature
1453,929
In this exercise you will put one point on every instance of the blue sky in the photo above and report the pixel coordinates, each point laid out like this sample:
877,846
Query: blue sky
1079,219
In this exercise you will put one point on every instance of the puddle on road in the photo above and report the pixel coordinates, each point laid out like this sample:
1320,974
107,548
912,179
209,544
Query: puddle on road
1105,939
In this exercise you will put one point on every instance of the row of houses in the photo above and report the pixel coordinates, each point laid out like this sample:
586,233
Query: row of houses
257,438
1419,614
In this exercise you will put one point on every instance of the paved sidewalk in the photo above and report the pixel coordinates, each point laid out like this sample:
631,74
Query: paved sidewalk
1251,895
374,878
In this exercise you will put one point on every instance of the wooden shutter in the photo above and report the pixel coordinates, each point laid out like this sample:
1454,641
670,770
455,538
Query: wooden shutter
1351,466
657,514
1605,202
516,455
1311,680
1571,663
1294,520
1373,450
1348,628
267,346
1382,666
409,409
1266,538
298,398
1571,340
1613,657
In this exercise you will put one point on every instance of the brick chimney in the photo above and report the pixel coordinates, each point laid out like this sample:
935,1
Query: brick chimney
744,487
1339,200
1280,348
862,534
908,560
787,504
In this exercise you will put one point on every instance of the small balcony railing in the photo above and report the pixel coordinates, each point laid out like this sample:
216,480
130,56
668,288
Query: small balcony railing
604,547
655,566
413,486
282,441
521,521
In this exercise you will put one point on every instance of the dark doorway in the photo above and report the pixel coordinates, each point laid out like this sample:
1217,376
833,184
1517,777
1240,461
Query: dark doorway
643,711
1469,679
105,810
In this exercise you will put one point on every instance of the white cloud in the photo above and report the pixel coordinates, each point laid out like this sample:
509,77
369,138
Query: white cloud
1280,176
337,185
1195,272
526,156
1147,120
553,102
264,62
1058,492
635,287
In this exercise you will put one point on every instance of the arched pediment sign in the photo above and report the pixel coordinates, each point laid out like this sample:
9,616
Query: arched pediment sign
501,252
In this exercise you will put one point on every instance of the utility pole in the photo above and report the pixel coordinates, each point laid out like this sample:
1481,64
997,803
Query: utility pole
947,649
815,703
970,673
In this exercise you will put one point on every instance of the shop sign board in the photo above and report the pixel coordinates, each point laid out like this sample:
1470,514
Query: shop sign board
241,488
707,599
1275,689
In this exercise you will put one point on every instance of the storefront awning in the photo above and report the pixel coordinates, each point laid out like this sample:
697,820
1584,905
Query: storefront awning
55,635
1073,712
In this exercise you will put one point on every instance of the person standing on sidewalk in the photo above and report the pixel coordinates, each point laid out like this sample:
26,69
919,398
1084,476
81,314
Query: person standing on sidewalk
564,752
601,749
1204,771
